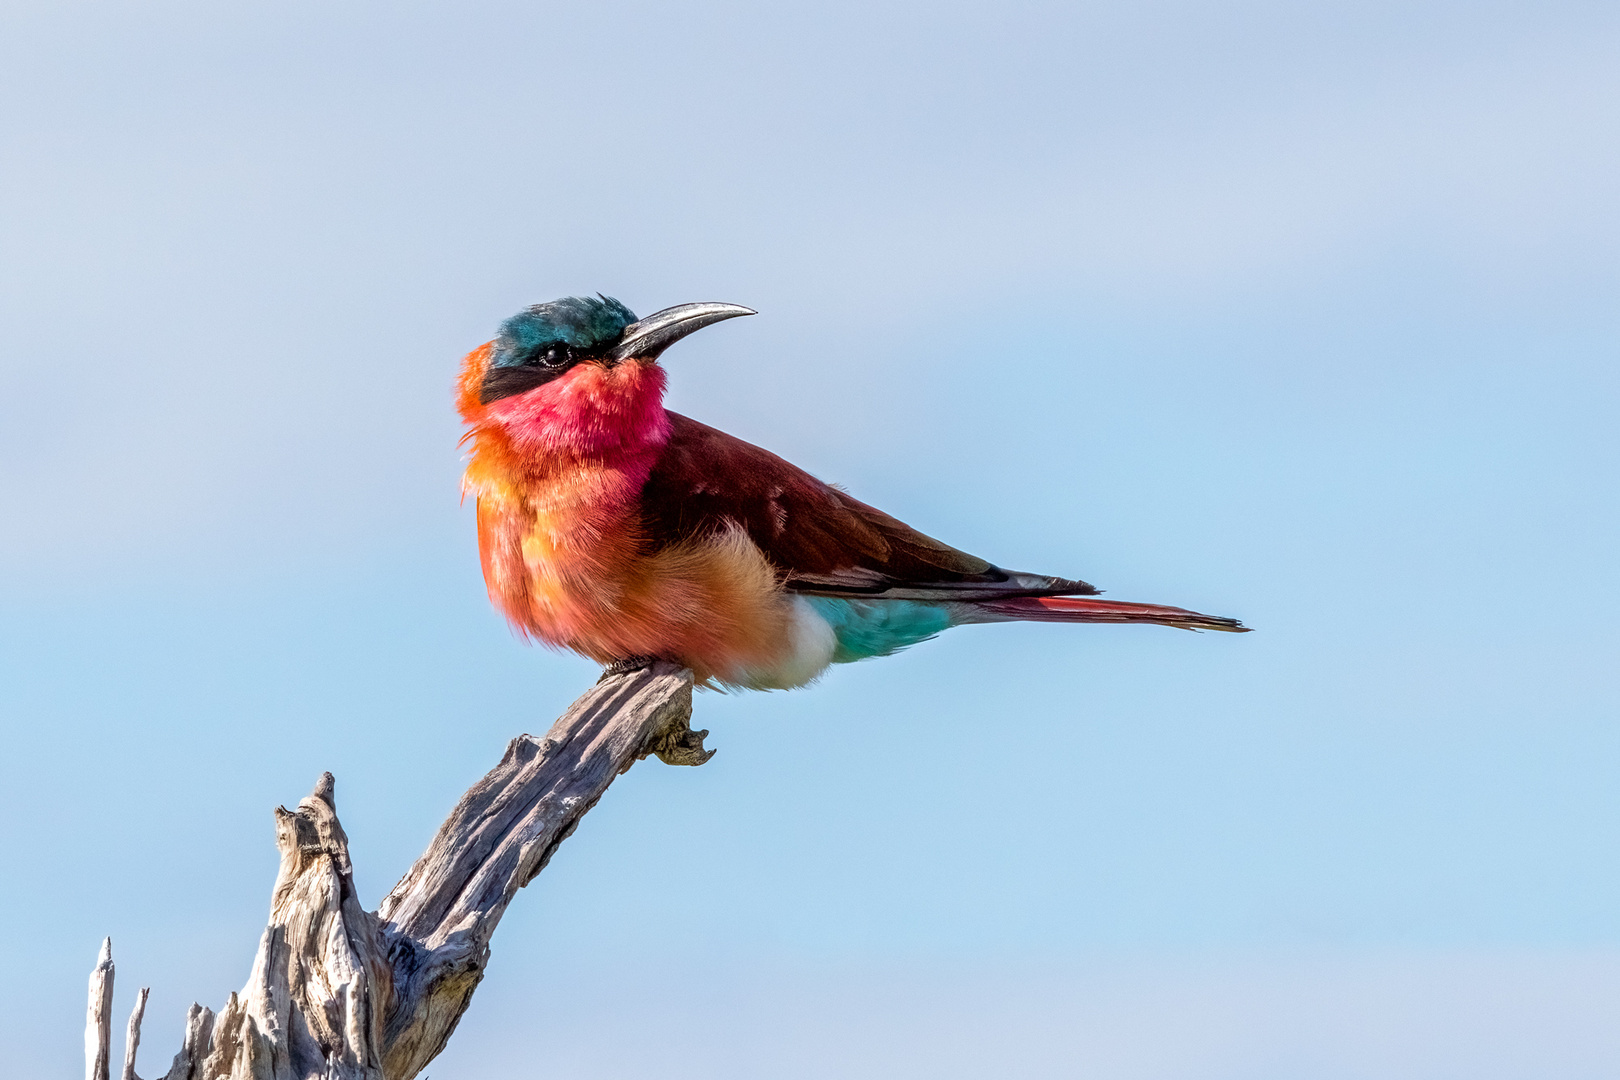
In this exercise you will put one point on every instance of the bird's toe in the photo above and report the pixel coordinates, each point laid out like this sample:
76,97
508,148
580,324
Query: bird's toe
626,666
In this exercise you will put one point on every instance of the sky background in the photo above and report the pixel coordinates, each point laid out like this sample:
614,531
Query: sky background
1302,313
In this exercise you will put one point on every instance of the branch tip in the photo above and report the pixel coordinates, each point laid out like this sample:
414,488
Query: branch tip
132,1038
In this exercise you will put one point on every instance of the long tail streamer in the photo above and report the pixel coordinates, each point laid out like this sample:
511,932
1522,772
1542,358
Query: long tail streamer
1086,610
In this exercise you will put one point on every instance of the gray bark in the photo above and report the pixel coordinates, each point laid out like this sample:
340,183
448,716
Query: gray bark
341,993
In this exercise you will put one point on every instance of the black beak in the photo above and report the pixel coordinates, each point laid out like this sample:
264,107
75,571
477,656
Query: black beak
645,339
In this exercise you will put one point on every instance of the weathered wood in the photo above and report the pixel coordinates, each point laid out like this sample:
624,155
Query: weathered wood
340,993
194,1047
98,1018
132,1035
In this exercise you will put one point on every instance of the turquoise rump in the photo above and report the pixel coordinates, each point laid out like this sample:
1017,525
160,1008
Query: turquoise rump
867,628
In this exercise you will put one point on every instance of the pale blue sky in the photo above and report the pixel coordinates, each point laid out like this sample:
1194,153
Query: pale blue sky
1300,313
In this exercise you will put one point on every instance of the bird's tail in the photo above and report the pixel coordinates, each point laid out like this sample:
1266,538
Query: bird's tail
1087,610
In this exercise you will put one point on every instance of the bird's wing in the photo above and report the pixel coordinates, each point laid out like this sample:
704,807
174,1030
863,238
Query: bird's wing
821,541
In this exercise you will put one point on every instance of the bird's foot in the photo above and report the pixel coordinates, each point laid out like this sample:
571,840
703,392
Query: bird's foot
626,666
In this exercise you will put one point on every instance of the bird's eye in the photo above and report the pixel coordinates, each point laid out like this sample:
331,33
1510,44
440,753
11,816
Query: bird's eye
553,356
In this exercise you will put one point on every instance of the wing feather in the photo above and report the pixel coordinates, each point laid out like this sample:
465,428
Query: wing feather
821,540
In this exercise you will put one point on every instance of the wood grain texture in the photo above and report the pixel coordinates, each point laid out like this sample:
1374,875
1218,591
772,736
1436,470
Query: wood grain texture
341,993
132,1036
98,1017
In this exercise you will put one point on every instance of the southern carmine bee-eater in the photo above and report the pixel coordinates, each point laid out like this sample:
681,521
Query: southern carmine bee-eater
611,526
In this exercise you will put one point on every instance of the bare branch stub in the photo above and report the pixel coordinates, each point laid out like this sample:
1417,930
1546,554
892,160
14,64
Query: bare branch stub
132,1036
340,993
98,1017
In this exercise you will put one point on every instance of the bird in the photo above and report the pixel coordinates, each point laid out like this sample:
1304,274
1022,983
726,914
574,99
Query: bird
616,528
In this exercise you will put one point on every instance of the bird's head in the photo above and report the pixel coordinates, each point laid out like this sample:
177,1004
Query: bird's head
545,342
578,373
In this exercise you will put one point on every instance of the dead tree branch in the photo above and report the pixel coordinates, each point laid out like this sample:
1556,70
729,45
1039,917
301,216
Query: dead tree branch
341,993
98,1017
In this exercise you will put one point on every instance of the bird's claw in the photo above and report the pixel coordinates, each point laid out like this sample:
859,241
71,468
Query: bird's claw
626,666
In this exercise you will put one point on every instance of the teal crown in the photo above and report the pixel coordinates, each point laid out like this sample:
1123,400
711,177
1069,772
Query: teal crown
584,323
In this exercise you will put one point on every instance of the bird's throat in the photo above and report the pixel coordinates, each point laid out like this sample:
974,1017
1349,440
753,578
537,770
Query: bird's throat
593,411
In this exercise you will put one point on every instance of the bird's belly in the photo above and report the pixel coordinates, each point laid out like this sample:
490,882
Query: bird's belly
808,649
713,604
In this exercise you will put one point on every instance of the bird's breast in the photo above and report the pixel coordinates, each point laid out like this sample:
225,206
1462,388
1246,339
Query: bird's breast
558,543
567,561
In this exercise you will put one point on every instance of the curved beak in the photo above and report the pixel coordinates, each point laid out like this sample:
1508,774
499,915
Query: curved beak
645,339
